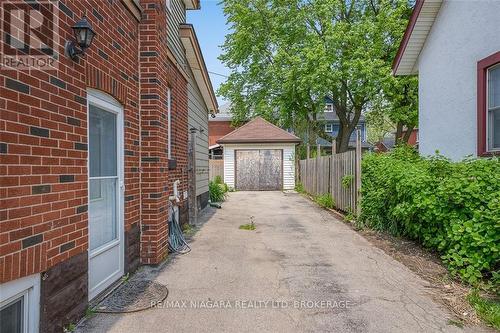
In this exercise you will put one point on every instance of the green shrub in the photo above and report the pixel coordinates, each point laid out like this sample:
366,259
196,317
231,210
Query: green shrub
299,187
218,179
216,192
347,181
452,207
325,201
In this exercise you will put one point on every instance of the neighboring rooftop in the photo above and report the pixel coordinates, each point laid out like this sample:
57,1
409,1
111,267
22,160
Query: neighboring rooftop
224,113
259,130
352,144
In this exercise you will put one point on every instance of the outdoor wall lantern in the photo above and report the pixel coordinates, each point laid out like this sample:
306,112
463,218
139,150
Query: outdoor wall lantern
83,39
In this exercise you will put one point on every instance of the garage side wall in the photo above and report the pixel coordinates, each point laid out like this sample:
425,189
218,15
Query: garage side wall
288,162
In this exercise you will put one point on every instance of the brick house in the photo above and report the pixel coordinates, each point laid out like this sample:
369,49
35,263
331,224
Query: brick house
92,152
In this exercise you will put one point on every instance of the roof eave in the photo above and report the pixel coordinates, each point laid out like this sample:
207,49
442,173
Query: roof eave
192,4
421,20
198,66
250,141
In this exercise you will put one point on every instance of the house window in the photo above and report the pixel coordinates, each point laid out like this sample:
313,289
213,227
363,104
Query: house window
328,128
493,116
329,107
19,305
488,105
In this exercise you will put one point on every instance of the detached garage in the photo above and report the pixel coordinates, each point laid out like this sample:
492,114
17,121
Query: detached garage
259,156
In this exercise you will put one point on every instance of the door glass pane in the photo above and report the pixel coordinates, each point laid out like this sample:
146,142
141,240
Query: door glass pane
494,87
495,129
102,212
11,317
102,142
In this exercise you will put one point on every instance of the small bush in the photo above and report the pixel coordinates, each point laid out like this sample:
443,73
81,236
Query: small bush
218,179
347,181
325,200
299,188
452,207
216,192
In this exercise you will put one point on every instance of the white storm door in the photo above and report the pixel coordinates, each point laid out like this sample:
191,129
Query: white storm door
105,208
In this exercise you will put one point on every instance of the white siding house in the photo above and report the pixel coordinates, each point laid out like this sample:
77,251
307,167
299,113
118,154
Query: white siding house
201,102
259,156
453,47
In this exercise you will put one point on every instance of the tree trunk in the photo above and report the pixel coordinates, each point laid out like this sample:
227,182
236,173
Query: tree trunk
402,135
342,140
399,133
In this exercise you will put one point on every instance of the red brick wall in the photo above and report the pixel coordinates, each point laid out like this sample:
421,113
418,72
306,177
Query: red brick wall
158,73
217,129
43,124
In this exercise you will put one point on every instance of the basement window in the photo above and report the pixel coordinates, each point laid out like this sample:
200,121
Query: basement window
19,305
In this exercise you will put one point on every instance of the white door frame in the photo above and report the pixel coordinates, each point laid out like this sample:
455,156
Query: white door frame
107,103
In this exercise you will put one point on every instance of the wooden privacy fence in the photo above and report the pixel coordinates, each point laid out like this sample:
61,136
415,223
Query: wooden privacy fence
215,168
338,175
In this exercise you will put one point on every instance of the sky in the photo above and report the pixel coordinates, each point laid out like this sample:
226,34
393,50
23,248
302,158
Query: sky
210,26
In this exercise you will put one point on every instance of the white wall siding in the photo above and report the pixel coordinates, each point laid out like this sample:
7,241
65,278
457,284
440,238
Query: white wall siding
229,165
464,33
198,118
289,168
288,162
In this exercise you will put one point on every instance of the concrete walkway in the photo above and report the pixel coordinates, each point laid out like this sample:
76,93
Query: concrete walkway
301,270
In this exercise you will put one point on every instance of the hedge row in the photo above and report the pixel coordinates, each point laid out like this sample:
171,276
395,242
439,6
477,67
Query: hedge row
452,207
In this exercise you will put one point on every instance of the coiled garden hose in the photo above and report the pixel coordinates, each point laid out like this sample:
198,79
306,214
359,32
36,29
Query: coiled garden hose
176,241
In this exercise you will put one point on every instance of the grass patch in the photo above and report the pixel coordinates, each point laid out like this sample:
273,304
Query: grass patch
456,323
89,312
69,328
299,188
487,309
188,230
248,226
325,201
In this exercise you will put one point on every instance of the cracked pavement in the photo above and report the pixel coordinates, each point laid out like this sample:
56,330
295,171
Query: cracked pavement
301,270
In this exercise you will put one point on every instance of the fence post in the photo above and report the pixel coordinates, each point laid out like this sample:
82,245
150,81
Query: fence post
318,155
306,173
334,146
358,172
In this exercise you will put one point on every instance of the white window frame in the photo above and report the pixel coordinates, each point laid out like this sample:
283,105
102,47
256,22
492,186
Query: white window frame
329,107
489,113
329,126
28,288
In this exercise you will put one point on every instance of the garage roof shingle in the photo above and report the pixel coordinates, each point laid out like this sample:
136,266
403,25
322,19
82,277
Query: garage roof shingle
259,130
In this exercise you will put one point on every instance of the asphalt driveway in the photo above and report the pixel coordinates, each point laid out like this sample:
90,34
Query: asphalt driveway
301,270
